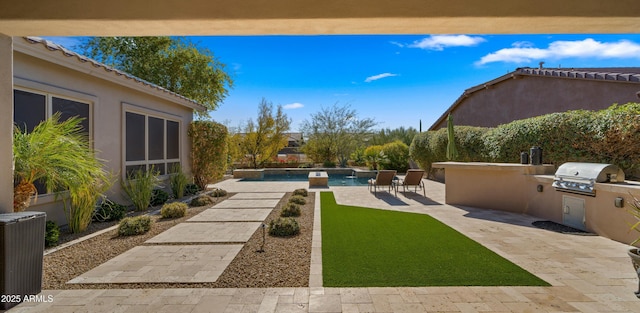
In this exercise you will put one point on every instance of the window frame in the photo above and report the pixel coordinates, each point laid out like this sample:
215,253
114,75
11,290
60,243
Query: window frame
157,114
49,92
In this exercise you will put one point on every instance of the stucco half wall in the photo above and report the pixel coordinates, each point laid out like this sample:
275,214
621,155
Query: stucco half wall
527,189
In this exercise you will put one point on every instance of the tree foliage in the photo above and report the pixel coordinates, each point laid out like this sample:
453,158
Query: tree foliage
387,135
334,133
266,136
176,64
209,151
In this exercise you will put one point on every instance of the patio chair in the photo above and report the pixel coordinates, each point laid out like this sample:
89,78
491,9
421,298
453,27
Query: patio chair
413,179
383,178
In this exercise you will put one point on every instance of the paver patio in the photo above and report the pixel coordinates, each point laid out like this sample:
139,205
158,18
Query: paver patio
207,233
231,215
247,203
164,264
257,195
587,273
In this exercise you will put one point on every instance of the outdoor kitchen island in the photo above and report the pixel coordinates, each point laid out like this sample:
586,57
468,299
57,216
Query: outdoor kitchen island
528,189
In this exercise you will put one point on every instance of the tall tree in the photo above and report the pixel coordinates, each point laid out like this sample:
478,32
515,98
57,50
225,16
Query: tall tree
267,135
334,133
387,135
176,64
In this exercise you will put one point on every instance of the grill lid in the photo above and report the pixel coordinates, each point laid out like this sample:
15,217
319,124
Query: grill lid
581,177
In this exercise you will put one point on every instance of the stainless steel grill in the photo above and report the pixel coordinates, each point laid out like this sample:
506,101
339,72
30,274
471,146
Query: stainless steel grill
580,178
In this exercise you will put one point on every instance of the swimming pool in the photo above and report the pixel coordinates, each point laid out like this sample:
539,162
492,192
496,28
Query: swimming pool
334,179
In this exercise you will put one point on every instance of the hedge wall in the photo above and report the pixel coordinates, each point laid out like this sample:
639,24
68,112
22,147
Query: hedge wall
607,136
208,151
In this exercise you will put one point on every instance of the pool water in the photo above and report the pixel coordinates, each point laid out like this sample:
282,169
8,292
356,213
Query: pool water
334,179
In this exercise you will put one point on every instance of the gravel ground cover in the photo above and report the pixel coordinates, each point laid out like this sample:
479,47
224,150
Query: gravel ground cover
285,262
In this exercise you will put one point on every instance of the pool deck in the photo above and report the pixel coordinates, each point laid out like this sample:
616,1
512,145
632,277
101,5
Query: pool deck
587,273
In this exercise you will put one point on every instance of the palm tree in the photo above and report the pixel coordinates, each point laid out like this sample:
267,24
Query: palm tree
58,154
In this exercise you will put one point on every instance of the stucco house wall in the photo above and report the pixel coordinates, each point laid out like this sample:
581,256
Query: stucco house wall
529,92
37,69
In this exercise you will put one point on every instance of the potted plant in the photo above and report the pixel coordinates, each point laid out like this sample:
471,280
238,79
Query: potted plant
633,250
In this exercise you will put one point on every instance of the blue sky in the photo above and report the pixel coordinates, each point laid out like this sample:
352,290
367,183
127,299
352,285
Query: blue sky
396,79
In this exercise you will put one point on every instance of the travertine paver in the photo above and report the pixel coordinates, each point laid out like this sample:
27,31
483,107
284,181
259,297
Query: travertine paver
231,215
207,233
257,195
247,203
160,264
587,273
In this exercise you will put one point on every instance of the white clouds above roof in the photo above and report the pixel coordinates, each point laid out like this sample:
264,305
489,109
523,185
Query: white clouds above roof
379,76
440,42
292,106
588,48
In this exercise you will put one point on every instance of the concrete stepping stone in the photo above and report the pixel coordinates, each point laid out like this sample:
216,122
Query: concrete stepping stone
257,195
163,264
247,203
231,215
207,232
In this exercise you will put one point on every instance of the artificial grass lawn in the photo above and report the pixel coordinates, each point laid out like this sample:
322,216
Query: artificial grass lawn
363,247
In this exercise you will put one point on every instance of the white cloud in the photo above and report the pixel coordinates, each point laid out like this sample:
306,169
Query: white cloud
379,76
439,42
587,48
292,106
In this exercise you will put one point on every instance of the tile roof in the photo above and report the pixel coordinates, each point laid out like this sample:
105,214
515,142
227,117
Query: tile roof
630,74
123,77
612,74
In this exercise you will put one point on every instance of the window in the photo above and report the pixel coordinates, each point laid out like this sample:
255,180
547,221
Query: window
30,108
151,142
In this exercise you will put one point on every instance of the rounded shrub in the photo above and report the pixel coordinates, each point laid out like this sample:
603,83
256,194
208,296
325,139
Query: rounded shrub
301,192
52,234
284,227
290,209
191,189
109,211
137,225
159,197
297,199
396,156
174,210
218,193
201,201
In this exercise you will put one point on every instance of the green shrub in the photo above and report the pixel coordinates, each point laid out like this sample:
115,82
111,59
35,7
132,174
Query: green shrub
284,227
109,211
52,234
178,181
301,192
329,164
290,209
218,193
373,156
159,197
139,187
191,189
396,156
173,210
201,201
297,200
209,151
137,225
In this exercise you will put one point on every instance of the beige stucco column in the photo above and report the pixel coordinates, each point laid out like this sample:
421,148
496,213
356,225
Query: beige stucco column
6,124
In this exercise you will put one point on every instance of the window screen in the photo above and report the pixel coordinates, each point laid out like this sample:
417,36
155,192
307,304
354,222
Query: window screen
156,138
29,109
70,108
173,140
135,137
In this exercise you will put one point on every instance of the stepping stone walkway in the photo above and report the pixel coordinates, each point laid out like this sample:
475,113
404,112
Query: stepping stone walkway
195,251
